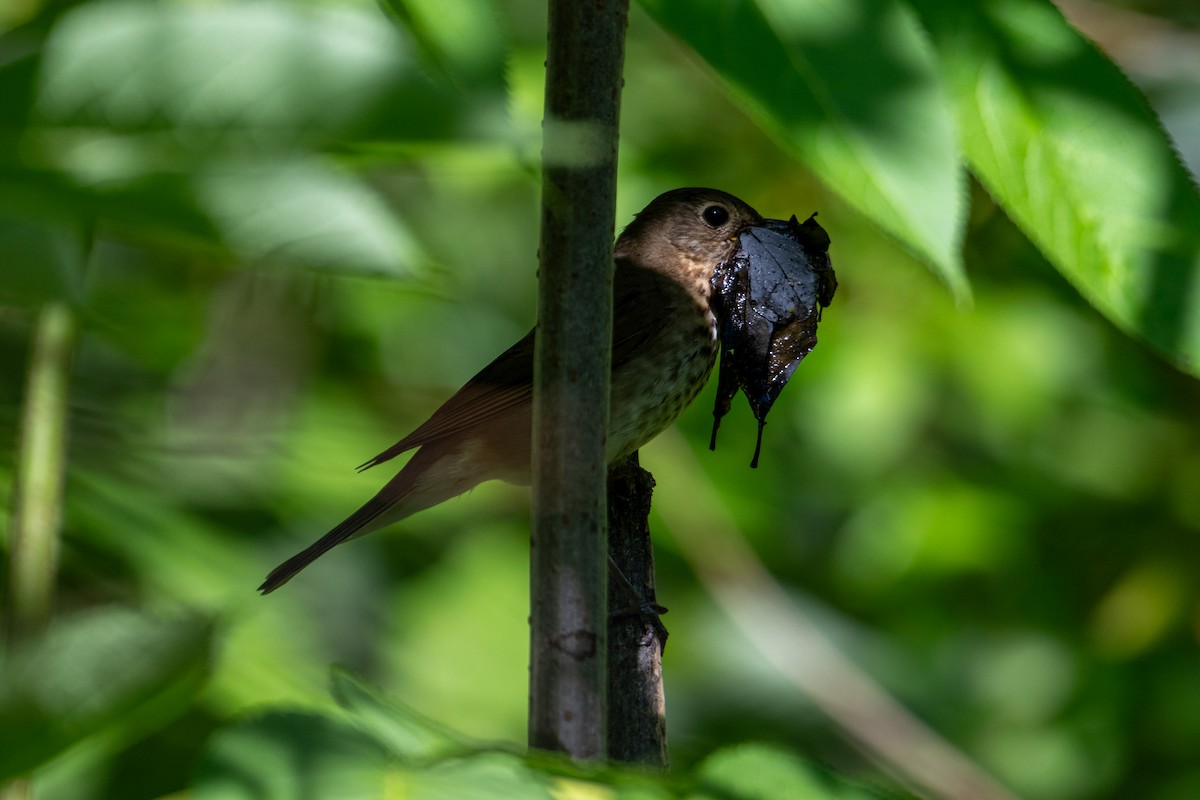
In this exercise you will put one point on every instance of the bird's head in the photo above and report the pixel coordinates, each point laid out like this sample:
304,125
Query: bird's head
691,230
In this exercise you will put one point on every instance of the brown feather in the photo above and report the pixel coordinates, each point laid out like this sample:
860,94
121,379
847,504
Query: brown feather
663,348
503,385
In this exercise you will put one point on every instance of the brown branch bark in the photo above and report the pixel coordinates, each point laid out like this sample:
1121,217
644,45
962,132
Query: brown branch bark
637,724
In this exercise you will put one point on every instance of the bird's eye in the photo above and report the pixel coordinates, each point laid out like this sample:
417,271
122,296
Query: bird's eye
715,216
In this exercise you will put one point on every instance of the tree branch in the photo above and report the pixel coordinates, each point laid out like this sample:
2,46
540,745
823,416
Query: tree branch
637,724
570,410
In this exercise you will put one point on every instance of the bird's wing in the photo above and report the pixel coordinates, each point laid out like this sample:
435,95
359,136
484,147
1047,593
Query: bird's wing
505,383
642,299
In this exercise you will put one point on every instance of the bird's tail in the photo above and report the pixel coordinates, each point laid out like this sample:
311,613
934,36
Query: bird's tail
347,529
404,495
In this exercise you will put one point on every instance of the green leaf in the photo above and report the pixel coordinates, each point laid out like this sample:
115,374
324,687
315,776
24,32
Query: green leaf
442,766
239,73
462,39
760,772
494,775
195,125
303,211
101,671
1072,152
850,88
40,260
405,733
286,755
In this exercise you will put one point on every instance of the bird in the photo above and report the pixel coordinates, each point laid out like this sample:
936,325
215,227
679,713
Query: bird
664,346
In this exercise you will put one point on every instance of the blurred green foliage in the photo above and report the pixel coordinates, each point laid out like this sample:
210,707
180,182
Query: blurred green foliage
290,229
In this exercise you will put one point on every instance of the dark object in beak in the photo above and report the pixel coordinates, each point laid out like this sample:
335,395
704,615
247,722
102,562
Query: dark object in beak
768,299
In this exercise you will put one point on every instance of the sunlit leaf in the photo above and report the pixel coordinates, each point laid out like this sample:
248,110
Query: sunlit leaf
464,39
296,209
194,125
494,775
404,732
263,71
104,670
303,211
284,755
1076,157
758,772
851,89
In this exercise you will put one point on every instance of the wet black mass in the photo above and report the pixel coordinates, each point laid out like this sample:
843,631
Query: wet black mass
768,299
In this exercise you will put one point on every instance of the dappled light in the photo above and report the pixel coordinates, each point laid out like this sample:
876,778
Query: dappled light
288,231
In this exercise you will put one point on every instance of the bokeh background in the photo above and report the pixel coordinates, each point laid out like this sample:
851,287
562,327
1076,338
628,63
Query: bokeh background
303,242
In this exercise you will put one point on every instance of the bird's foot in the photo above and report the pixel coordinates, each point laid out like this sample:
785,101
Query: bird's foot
647,611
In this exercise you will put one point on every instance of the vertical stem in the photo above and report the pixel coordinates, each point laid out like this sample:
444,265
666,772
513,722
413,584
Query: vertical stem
637,724
38,487
568,563
35,525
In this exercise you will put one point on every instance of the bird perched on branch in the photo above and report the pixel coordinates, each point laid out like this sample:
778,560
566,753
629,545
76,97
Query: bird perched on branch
664,346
